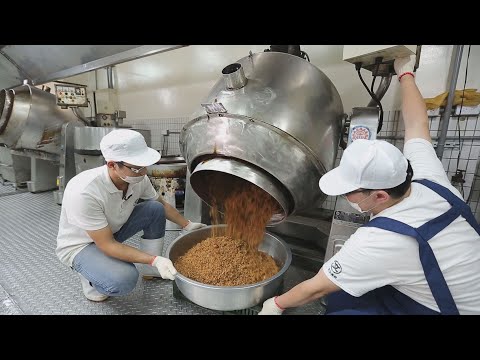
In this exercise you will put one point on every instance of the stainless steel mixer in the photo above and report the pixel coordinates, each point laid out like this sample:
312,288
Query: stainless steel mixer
31,128
274,120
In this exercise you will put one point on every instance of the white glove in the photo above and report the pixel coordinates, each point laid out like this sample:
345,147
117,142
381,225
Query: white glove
404,64
270,307
192,226
165,267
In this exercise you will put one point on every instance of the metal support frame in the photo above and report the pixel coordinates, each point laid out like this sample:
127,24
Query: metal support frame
453,75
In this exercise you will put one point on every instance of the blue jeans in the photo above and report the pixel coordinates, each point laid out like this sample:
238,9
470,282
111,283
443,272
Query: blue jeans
114,277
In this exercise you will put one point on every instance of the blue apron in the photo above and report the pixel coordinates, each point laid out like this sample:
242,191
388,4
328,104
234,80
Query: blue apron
389,301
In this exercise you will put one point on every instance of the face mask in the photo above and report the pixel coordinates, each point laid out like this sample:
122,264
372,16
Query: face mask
357,207
131,179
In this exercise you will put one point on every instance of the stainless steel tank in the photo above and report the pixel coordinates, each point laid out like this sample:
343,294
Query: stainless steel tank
87,145
279,129
31,120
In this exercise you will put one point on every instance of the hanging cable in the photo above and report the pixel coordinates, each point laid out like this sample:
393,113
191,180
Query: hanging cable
374,77
358,66
373,83
91,110
79,116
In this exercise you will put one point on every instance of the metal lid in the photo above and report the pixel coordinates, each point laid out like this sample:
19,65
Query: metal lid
171,159
226,168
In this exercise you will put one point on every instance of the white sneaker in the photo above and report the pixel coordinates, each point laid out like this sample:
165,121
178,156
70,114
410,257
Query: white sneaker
90,292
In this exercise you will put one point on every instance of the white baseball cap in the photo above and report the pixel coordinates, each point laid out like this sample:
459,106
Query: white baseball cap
366,164
128,146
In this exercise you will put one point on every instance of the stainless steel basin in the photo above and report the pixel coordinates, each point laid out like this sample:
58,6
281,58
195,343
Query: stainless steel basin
228,298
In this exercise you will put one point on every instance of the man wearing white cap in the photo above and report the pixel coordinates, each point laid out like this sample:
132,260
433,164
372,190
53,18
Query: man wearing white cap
420,252
101,209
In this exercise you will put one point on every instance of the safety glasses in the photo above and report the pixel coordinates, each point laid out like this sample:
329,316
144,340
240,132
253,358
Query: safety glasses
135,170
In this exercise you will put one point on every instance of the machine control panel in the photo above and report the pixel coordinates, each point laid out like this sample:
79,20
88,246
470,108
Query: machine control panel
71,95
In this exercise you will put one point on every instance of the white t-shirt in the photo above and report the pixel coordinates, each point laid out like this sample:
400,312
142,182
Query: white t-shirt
91,201
372,257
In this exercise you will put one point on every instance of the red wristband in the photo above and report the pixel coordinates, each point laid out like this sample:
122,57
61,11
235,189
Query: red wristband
405,73
275,300
153,260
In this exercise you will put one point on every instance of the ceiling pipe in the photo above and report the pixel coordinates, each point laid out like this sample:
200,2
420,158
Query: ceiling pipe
109,77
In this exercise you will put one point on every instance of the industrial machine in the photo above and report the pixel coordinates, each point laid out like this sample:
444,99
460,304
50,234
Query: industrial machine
262,124
83,149
31,127
273,119
81,145
45,140
276,121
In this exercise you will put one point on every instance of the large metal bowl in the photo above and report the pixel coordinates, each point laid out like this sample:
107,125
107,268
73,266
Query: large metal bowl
228,298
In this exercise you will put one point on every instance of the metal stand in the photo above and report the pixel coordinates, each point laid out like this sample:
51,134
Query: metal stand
42,179
14,168
67,160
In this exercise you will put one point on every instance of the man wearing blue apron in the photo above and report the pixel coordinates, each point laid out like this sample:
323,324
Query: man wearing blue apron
420,252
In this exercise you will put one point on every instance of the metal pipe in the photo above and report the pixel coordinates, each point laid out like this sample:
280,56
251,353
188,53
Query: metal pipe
381,90
94,97
454,69
234,76
80,116
109,77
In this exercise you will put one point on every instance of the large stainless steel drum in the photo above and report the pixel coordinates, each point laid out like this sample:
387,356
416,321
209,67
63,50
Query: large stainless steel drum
31,120
280,130
229,298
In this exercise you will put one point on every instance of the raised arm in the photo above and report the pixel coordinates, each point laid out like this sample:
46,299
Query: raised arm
414,111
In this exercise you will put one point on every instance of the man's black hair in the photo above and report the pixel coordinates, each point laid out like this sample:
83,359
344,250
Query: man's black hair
399,190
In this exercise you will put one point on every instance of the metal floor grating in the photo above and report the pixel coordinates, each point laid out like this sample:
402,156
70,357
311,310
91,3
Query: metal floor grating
8,188
33,281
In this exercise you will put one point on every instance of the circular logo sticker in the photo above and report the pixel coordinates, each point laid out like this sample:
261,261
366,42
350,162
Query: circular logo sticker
360,132
336,267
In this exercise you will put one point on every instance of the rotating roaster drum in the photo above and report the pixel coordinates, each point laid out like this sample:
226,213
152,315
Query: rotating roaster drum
31,120
278,127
